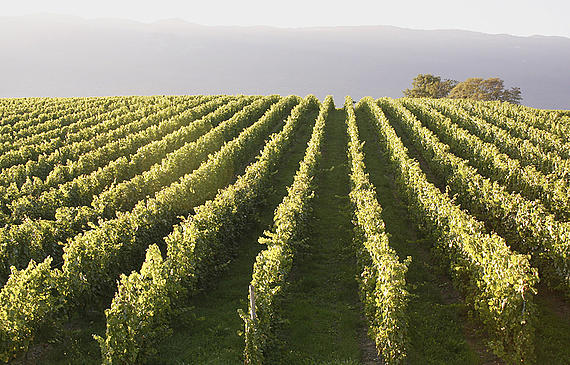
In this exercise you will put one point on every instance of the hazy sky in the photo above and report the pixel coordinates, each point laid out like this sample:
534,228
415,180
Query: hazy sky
516,17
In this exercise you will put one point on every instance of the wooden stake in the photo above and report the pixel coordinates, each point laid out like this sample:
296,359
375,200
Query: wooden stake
252,302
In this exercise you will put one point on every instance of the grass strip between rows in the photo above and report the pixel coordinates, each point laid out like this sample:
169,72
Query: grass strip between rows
383,278
272,266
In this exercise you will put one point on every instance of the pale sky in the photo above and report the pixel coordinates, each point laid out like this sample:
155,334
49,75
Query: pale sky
515,17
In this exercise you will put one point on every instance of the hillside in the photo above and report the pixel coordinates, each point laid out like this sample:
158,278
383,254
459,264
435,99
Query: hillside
49,55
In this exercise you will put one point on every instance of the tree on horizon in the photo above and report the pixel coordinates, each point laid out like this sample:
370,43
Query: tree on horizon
429,86
477,88
474,88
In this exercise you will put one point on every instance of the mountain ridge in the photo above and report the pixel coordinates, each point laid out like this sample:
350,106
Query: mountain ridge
102,20
49,55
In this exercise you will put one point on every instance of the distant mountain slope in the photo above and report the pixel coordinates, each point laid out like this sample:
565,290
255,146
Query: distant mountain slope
48,55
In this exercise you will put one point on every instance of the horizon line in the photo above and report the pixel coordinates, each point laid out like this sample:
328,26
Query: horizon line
303,27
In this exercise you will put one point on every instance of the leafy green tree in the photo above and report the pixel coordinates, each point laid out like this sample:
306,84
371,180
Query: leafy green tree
477,88
430,86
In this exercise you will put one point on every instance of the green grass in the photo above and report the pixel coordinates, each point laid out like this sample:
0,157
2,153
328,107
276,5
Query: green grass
71,343
320,312
209,332
552,336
